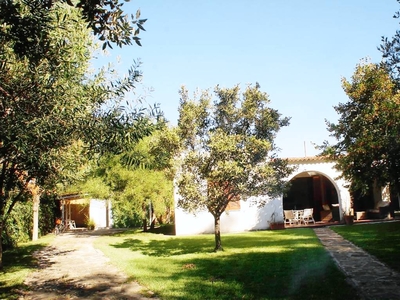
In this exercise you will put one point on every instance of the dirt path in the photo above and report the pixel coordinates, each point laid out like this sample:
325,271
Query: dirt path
71,268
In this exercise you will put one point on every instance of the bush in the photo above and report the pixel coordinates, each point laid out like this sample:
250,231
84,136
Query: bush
19,224
18,227
125,217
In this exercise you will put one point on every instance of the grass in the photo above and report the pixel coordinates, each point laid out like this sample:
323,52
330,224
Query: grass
379,239
17,264
286,264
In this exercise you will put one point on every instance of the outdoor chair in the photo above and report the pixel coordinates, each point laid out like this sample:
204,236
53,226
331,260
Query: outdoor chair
308,216
71,224
289,217
298,216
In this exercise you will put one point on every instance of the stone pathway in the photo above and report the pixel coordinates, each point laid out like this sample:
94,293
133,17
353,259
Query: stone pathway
71,268
371,277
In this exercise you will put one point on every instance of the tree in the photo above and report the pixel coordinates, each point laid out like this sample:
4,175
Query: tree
29,24
368,129
48,106
390,49
228,150
139,182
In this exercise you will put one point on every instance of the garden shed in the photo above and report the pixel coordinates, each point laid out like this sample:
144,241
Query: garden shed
81,210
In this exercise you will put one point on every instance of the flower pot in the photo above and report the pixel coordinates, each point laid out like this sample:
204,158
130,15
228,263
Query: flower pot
276,226
349,220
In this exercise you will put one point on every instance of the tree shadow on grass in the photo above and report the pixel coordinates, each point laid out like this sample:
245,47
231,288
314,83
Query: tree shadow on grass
93,286
17,260
205,243
289,273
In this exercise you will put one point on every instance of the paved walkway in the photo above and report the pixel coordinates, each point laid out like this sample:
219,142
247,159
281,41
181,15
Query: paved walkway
373,279
71,268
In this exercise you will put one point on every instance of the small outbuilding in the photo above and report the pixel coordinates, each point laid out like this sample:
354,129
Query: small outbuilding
81,211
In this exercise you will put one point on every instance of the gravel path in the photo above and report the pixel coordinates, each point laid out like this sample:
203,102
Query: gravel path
71,268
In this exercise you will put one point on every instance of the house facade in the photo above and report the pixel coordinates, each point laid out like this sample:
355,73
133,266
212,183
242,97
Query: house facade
314,184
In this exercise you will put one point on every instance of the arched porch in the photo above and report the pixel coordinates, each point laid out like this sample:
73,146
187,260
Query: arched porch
312,189
315,184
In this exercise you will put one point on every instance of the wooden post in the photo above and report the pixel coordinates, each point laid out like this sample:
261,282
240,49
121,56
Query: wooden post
35,190
36,204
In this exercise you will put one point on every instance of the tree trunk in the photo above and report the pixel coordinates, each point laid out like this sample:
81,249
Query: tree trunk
218,244
1,245
153,223
144,225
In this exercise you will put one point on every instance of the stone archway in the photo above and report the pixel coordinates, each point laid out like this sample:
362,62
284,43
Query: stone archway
316,184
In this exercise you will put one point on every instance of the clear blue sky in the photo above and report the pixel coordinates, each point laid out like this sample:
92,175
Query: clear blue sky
298,51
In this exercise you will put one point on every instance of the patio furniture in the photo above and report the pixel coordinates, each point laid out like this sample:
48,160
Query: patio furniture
289,217
308,216
71,224
298,216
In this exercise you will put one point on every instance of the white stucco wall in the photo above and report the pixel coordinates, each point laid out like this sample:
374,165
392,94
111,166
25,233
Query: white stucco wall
250,217
98,213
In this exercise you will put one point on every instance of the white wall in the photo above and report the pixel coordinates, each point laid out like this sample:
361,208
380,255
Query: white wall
98,213
250,217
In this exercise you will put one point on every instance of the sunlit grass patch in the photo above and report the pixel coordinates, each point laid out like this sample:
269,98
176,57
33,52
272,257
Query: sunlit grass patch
17,264
288,264
379,239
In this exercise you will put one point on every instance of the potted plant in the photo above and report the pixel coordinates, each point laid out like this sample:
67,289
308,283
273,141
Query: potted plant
348,214
273,224
90,224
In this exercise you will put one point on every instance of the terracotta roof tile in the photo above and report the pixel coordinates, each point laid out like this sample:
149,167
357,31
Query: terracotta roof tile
309,159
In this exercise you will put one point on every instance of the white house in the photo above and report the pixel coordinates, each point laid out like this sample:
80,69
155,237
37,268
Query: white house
314,184
77,208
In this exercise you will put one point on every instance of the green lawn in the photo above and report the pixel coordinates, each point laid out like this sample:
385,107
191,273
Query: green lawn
17,264
379,239
286,264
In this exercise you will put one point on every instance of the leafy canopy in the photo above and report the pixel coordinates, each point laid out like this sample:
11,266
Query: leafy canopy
228,149
52,115
29,23
368,147
136,181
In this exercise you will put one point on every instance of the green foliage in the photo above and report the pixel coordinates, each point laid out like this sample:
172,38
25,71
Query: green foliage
29,24
367,132
47,213
155,152
138,182
52,114
390,49
125,215
228,149
289,264
136,191
18,226
90,224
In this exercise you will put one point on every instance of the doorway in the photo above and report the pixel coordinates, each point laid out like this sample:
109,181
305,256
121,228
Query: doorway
313,190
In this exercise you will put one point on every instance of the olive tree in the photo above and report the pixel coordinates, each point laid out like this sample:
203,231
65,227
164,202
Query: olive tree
228,150
29,24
